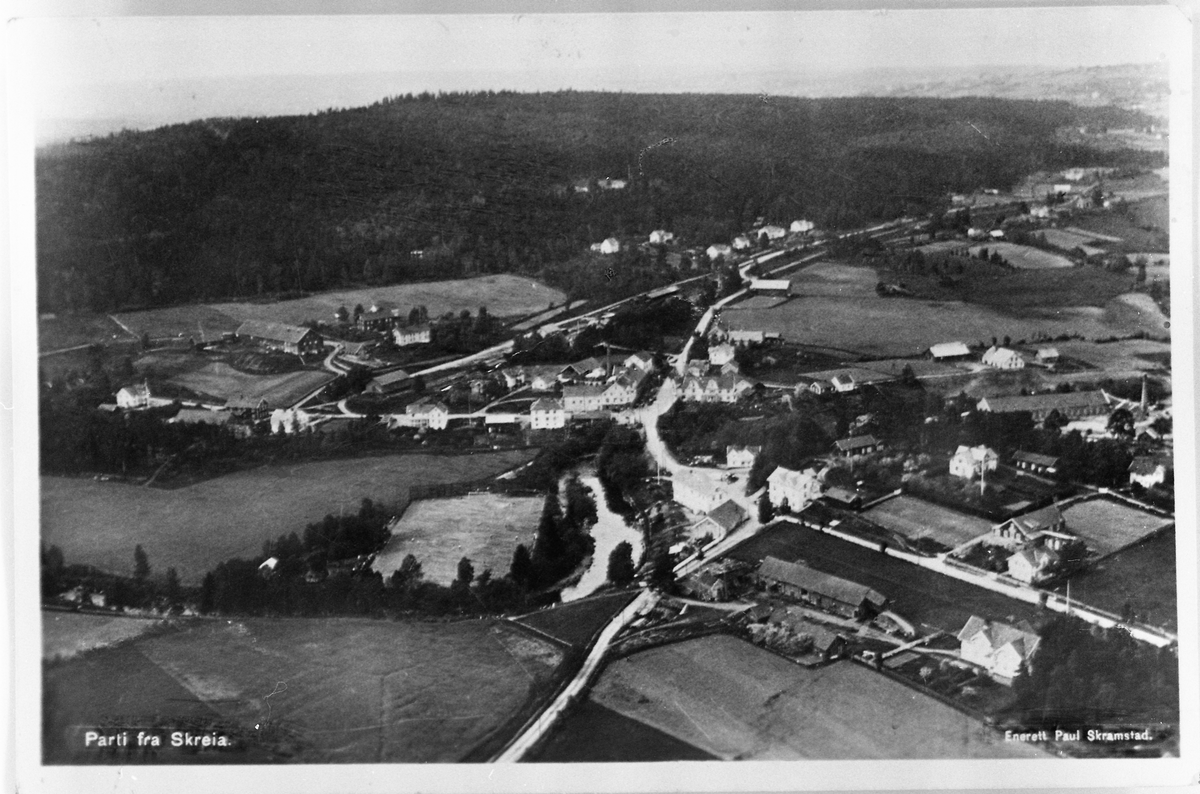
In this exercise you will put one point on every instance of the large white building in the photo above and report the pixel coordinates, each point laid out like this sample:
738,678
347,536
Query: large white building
796,488
696,493
547,414
971,462
1003,358
998,647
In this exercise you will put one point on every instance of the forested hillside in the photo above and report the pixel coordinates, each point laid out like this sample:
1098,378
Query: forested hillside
482,183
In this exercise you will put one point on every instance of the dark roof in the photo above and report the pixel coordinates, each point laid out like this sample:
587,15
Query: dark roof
844,495
1035,459
1046,402
1038,520
1145,465
546,404
727,515
388,378
278,332
414,329
802,576
857,442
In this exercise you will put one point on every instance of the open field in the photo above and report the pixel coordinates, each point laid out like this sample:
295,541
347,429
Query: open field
1109,526
340,690
1024,257
485,528
1142,576
916,593
280,391
577,622
61,331
887,327
1129,355
68,634
915,518
834,279
593,733
196,527
736,701
1130,224
503,295
1060,238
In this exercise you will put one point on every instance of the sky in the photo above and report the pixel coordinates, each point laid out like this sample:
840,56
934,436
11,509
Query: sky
101,73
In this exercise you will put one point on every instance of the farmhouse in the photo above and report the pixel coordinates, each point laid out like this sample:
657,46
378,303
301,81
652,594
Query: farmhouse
542,378
661,237
379,320
722,520
1147,471
780,287
1070,405
720,354
998,647
412,335
822,590
796,489
801,227
248,407
547,414
696,493
583,398
1046,526
1003,358
772,232
288,421
948,351
745,338
843,380
1033,564
739,457
135,396
742,243
718,250
971,462
1047,356
705,584
610,245
643,360
389,382
280,336
624,390
1035,463
428,413
858,445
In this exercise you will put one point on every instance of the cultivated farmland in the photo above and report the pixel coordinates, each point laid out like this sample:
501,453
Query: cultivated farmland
1024,257
1142,577
194,528
736,701
484,527
280,391
593,733
68,634
915,518
918,594
1109,526
338,690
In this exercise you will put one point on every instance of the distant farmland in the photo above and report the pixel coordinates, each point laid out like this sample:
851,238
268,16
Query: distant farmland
194,528
915,518
733,700
1024,257
503,295
224,382
310,690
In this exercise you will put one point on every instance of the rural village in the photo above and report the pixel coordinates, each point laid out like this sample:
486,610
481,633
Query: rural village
895,468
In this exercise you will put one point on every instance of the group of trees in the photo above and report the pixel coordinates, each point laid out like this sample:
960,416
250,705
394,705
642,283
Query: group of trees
621,467
481,183
142,590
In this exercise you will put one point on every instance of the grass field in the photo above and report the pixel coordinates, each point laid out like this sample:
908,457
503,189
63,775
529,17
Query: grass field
1024,257
194,528
593,733
834,279
1130,224
736,701
1128,355
916,593
68,634
194,320
915,518
68,330
1109,526
223,382
483,527
577,622
341,690
1142,576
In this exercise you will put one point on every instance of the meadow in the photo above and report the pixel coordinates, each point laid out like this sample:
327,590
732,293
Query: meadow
735,701
1109,526
195,527
1142,576
1024,257
68,634
485,528
915,518
311,690
218,379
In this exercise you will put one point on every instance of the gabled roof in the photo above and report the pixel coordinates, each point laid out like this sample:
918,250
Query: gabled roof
948,349
1022,636
584,391
545,404
856,442
1035,459
843,495
977,454
802,576
727,515
426,405
136,390
279,332
413,329
387,378
1144,464
753,450
770,283
244,401
787,478
1045,402
1038,520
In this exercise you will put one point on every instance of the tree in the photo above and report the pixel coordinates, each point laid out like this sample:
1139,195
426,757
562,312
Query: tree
466,573
208,589
418,384
408,576
662,570
620,564
1121,422
521,569
359,311
342,315
766,511
145,340
141,564
173,590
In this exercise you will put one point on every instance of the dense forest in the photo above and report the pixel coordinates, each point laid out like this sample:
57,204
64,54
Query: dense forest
438,186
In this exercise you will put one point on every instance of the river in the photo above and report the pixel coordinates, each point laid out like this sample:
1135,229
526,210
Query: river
609,530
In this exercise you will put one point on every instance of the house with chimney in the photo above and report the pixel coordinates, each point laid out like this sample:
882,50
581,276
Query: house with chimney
999,648
796,489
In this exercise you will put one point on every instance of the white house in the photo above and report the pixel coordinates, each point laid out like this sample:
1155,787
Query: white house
611,184
696,493
723,389
583,398
801,227
720,354
1033,564
547,414
797,488
998,647
643,360
1147,472
428,413
289,421
135,396
745,338
971,462
718,250
661,237
412,335
742,243
1003,358
946,350
741,457
772,232
611,245
1047,355
624,389
996,234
